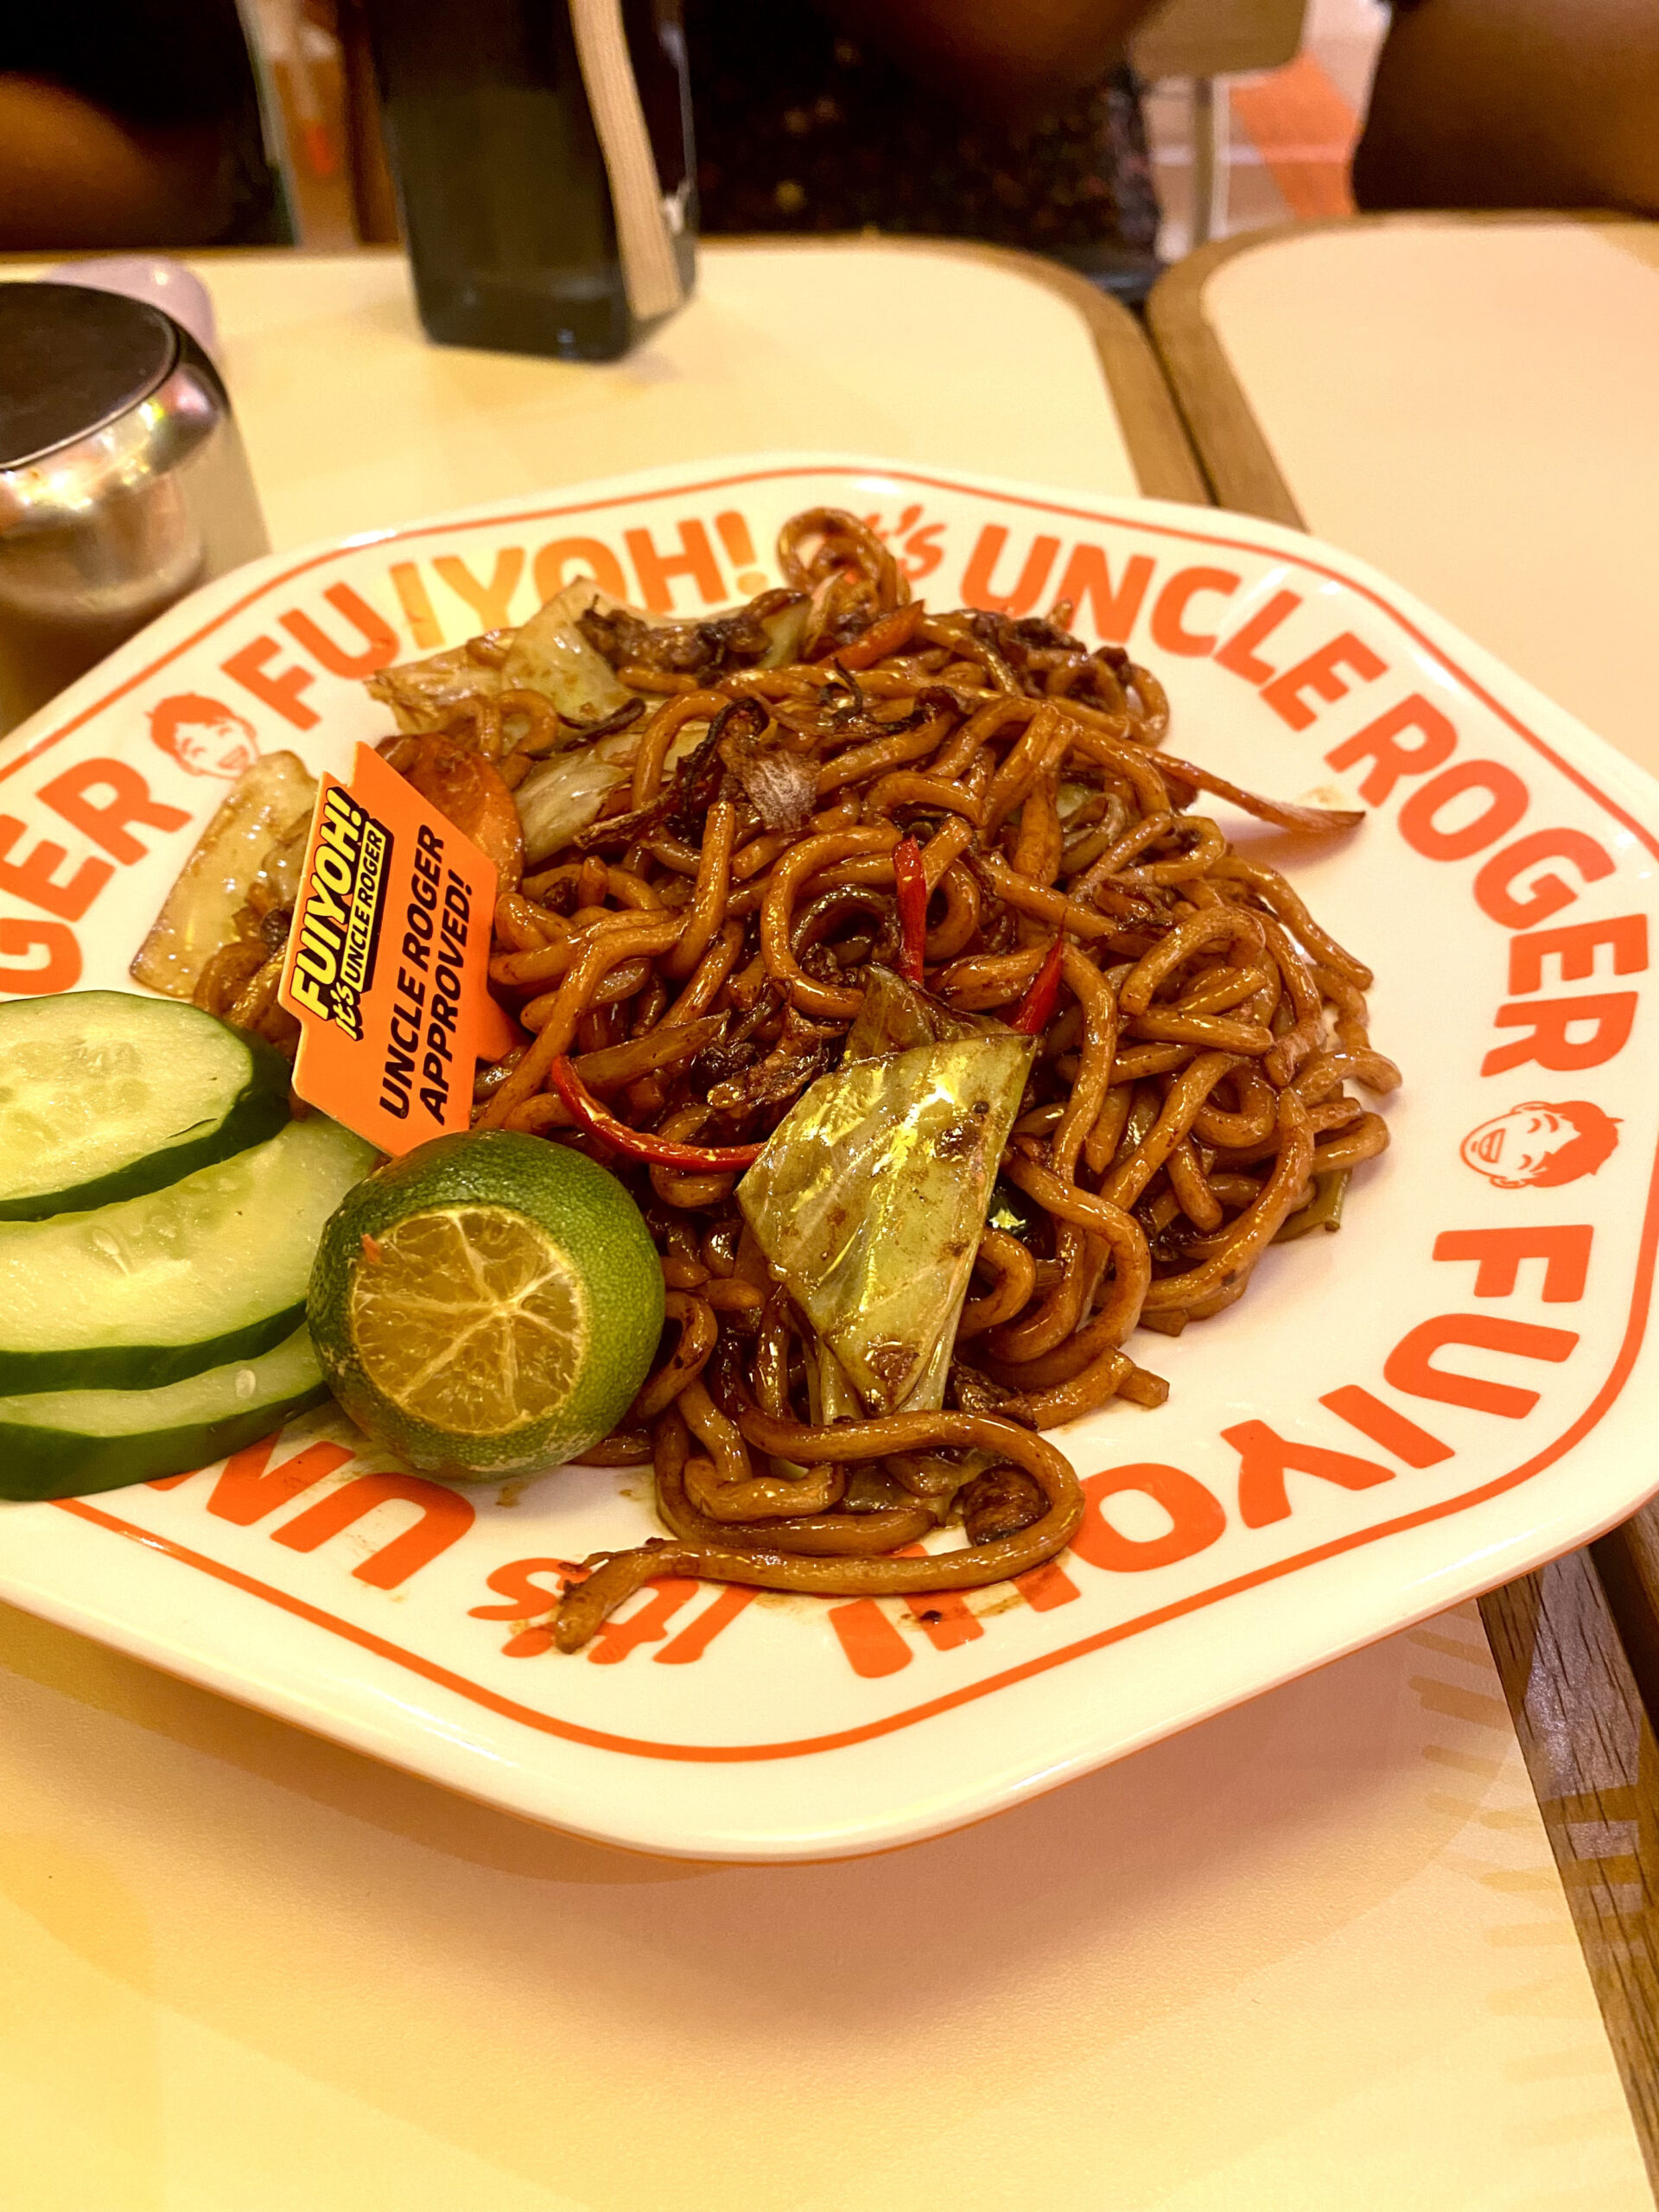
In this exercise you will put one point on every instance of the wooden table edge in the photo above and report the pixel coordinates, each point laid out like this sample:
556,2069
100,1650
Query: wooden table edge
1590,1751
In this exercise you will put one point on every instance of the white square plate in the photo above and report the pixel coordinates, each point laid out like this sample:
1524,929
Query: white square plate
1496,1330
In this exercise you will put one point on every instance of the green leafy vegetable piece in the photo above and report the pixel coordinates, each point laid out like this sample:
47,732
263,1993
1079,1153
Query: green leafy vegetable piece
871,1194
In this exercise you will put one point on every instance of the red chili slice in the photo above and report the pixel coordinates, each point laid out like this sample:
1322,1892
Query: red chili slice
881,637
641,1144
1039,1003
910,882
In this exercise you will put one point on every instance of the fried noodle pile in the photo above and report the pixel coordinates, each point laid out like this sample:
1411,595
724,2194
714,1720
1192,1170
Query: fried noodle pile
975,811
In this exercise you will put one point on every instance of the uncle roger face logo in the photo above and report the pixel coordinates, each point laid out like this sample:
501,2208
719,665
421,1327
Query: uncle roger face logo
1538,1144
203,736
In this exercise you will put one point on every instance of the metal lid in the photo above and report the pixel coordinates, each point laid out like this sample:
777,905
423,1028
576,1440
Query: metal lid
71,361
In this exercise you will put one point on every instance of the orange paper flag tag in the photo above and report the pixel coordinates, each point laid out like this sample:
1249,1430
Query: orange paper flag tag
387,970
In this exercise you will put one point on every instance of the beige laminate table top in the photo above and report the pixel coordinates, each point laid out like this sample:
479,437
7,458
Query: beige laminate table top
957,358
1472,404
1314,1955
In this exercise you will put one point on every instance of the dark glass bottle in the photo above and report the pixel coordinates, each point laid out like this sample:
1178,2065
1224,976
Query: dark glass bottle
509,204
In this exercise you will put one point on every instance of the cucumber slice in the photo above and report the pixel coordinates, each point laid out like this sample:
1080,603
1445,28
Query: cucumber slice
104,1096
65,1443
213,1268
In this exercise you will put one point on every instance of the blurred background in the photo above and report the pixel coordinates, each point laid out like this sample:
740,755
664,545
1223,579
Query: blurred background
1261,100
1252,108
162,122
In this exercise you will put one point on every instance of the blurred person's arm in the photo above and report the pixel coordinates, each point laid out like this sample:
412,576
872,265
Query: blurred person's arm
1012,58
73,174
118,120
1515,104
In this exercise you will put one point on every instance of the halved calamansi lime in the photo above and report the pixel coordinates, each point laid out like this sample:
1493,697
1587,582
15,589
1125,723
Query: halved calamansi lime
486,1304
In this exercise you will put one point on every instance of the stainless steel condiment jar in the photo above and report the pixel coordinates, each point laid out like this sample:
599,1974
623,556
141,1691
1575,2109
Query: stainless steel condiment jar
123,481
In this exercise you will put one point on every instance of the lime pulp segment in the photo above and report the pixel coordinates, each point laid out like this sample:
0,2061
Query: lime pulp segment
470,1318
